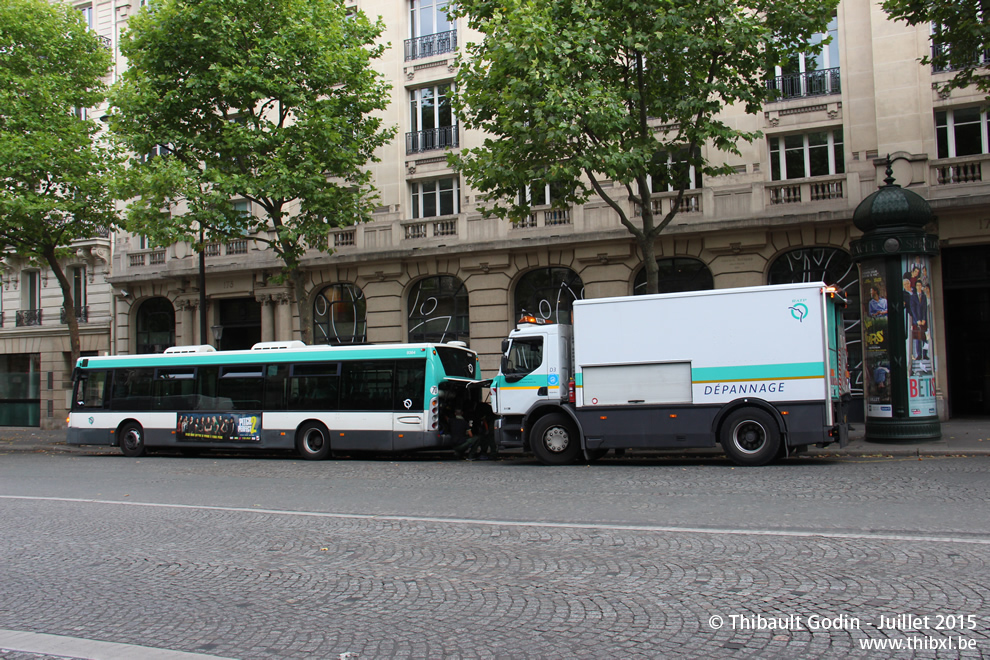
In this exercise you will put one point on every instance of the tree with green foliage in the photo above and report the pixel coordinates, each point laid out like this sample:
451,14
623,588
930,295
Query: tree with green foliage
270,102
55,170
574,92
960,37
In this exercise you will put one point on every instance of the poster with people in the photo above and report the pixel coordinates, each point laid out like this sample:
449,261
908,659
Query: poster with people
917,293
218,427
876,351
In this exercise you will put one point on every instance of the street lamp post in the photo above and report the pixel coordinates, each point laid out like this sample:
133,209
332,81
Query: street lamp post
217,334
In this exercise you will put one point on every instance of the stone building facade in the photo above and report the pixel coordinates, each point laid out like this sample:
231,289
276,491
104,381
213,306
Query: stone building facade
431,267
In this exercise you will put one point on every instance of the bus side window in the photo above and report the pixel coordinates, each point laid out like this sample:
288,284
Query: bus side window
314,386
410,381
240,388
175,388
275,377
367,386
132,389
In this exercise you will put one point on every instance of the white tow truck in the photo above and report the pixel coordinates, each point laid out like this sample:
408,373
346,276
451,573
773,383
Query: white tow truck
760,370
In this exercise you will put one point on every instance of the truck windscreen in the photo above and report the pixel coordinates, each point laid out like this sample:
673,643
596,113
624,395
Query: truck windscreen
457,363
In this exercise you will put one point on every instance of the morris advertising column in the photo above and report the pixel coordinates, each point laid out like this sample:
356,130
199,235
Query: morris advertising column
894,257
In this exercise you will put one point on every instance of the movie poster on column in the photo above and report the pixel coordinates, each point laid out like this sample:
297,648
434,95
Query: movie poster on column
876,354
917,292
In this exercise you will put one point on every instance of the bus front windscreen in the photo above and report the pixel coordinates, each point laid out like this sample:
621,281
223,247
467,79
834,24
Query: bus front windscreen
457,363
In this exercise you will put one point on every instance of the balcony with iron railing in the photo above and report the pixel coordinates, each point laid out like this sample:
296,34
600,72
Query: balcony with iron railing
431,139
940,51
82,314
430,45
27,317
822,82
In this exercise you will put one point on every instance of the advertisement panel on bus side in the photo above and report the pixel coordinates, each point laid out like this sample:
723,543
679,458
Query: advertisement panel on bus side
218,427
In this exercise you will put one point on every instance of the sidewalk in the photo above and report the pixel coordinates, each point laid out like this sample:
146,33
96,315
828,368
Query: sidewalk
959,437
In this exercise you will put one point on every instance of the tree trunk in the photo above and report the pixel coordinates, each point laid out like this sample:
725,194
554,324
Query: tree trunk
298,277
648,246
68,305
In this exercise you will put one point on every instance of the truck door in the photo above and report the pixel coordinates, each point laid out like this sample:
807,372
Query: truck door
524,375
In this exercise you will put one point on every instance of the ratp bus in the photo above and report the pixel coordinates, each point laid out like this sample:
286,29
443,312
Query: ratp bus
314,399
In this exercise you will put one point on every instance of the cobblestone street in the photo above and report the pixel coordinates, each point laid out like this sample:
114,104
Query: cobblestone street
278,558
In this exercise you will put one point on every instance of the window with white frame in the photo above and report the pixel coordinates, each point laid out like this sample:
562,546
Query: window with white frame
674,169
819,56
961,132
814,72
807,154
87,12
428,17
541,194
431,118
431,199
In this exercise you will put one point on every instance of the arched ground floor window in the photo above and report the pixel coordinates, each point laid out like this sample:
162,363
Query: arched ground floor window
548,293
438,310
340,315
155,326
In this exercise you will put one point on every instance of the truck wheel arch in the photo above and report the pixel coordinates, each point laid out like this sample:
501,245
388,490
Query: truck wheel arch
762,404
542,410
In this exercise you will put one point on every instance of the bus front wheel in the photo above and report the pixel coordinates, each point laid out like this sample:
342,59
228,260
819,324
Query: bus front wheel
554,439
132,440
750,436
313,441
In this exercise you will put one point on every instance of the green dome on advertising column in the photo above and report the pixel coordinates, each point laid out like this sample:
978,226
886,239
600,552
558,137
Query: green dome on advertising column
891,208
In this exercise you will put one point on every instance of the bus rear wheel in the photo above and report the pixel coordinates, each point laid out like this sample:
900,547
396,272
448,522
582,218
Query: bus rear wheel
750,436
313,441
132,440
554,440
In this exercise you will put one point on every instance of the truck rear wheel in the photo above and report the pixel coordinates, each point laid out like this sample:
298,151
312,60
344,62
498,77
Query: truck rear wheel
750,436
554,440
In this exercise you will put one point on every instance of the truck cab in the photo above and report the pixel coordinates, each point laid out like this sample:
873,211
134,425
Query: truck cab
534,374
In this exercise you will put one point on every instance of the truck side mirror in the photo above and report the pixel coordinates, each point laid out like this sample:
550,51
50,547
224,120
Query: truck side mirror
505,346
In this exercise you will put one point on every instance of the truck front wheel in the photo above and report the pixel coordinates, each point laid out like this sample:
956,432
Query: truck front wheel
554,440
750,436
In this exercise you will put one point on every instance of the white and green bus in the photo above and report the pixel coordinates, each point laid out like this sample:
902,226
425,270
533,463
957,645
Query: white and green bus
314,399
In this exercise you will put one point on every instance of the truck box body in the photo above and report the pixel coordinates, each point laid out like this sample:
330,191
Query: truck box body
661,371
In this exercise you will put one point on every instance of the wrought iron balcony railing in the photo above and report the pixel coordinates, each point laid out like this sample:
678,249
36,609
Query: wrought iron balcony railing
431,44
82,314
941,51
822,82
27,317
432,138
